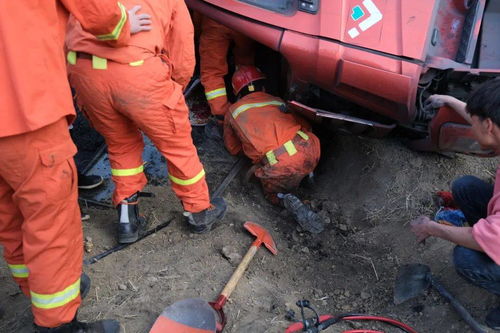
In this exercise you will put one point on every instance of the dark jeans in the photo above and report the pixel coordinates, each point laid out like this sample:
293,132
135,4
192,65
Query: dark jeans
472,195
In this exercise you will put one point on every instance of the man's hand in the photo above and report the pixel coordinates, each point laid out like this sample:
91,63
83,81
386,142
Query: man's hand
138,22
438,101
420,227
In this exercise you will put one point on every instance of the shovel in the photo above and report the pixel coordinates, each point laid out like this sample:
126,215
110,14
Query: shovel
414,279
196,315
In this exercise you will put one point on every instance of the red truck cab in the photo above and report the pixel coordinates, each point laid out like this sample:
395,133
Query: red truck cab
384,57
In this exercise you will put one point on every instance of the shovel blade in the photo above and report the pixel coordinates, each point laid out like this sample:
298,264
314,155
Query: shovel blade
412,280
186,316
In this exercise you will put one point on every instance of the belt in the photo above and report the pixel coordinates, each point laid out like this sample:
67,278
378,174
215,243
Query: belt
97,62
287,147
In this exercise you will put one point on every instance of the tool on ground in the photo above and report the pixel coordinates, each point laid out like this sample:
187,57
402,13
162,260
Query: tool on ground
119,247
413,279
240,163
319,323
192,315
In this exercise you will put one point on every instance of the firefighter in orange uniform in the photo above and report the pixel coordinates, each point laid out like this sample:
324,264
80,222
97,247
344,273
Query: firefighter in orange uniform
280,144
138,89
40,226
215,41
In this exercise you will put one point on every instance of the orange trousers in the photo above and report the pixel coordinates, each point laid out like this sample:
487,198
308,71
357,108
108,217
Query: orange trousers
120,102
215,41
40,224
286,175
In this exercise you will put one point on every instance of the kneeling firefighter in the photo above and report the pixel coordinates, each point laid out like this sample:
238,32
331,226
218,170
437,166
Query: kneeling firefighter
280,144
137,89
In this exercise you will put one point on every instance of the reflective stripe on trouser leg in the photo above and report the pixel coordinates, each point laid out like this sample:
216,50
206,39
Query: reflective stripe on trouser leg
128,172
57,299
187,182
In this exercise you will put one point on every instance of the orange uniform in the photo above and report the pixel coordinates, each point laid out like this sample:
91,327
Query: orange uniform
138,88
215,40
280,143
40,226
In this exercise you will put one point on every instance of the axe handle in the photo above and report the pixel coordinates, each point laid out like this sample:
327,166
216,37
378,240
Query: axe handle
466,316
238,273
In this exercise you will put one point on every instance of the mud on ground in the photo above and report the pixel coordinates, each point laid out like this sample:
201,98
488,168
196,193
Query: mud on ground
368,190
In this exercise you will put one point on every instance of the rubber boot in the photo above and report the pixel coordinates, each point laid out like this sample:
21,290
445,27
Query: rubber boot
305,217
130,223
203,221
75,326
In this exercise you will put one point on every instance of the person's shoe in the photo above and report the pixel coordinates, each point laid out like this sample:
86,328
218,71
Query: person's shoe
130,223
84,285
493,319
101,326
203,221
89,182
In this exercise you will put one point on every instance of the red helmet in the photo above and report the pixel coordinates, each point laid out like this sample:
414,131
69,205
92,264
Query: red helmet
244,76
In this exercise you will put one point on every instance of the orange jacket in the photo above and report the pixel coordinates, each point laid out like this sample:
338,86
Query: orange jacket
256,125
172,35
34,90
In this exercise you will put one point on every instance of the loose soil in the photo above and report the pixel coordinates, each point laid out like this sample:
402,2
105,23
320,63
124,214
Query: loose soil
367,189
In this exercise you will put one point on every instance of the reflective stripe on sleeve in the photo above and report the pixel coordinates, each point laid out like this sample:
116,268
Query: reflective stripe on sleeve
215,93
242,108
186,182
115,34
19,271
61,298
290,148
127,172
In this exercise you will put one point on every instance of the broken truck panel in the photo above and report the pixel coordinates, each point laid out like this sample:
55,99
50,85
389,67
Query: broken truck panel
387,56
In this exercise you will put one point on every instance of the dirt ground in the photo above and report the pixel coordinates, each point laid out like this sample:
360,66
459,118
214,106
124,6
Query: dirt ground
367,189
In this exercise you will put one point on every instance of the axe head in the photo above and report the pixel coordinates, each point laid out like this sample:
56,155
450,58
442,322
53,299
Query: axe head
262,236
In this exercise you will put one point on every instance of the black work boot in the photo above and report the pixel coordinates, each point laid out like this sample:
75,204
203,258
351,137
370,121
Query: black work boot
130,223
101,326
203,221
493,318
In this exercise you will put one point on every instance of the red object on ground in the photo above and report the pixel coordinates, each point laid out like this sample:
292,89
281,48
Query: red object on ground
215,41
447,199
281,143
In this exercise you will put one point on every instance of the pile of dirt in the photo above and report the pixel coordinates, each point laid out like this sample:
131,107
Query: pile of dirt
368,190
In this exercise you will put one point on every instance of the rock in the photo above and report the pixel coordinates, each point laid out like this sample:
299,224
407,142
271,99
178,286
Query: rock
343,227
365,295
305,250
231,255
122,286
